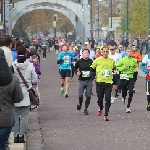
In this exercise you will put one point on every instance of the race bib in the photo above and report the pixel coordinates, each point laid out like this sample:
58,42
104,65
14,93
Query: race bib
67,60
85,74
124,76
74,63
105,73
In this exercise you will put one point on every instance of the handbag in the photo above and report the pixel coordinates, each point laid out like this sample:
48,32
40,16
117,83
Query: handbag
34,100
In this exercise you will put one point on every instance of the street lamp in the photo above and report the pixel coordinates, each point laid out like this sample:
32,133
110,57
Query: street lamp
127,18
98,17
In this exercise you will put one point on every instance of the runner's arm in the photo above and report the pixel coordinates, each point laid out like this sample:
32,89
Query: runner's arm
120,65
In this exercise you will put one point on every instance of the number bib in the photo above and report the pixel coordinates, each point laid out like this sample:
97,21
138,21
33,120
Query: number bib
124,76
74,63
67,60
105,73
85,74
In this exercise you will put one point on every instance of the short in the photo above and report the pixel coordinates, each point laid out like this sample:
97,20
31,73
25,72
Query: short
65,73
115,79
56,47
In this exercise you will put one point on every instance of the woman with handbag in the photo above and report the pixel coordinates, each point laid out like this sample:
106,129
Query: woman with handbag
25,71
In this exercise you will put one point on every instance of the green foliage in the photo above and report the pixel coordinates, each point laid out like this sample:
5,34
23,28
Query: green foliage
138,18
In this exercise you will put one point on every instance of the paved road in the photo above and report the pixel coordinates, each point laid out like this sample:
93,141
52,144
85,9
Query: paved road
65,128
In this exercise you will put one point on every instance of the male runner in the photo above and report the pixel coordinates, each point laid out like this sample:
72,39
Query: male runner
127,66
138,57
101,72
82,69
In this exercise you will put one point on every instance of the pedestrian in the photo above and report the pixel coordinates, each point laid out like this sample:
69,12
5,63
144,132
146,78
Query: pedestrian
127,66
116,57
13,50
64,60
10,93
44,46
101,72
82,69
145,67
22,109
74,60
138,57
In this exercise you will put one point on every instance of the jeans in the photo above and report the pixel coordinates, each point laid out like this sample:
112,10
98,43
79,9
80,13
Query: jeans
22,118
4,135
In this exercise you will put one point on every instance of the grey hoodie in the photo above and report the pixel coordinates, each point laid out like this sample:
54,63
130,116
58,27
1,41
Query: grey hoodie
28,71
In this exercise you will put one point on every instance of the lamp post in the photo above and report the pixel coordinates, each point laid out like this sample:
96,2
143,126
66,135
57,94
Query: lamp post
99,17
4,19
149,29
111,16
127,18
91,19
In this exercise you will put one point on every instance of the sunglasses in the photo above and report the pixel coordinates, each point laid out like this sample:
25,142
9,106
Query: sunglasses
112,49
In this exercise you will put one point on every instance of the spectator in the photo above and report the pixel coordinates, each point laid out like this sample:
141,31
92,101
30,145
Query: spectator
22,109
10,92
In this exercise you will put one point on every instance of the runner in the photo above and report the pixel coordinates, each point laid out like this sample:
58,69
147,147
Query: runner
116,58
74,60
138,57
101,72
56,46
82,69
92,53
145,67
65,60
44,46
127,66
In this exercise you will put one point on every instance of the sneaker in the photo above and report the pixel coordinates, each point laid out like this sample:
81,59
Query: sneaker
128,110
134,90
99,112
66,95
44,58
123,101
78,107
62,90
112,100
16,139
21,139
71,80
85,112
106,118
148,107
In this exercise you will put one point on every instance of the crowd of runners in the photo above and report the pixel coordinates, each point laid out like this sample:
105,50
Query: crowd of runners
112,68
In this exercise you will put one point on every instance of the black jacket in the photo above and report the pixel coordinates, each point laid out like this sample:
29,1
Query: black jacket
83,65
5,72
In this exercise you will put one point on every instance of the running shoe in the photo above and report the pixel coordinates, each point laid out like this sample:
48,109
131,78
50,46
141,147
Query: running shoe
62,90
123,101
78,107
128,110
85,112
44,58
106,118
71,80
66,95
134,90
148,107
99,112
112,100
